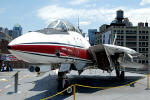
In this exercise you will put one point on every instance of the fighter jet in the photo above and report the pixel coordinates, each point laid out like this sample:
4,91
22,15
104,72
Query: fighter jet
62,46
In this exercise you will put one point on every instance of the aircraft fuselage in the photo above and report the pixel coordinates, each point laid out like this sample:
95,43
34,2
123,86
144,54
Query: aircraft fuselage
35,47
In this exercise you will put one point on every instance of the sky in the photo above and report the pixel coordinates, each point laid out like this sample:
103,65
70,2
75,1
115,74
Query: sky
37,14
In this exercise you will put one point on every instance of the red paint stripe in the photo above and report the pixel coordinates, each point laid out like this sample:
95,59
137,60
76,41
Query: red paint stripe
51,49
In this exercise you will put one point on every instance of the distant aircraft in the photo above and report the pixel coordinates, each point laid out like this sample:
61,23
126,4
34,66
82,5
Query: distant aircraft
62,45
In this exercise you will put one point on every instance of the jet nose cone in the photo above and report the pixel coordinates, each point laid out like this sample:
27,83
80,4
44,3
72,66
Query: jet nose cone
8,47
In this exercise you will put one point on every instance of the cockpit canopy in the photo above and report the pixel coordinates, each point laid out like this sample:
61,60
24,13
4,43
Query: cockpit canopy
63,25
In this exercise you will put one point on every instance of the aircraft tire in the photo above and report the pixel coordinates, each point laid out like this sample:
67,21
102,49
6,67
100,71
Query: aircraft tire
70,90
122,76
117,68
117,73
64,83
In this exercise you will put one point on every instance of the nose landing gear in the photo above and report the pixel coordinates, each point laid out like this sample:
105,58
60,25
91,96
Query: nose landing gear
64,83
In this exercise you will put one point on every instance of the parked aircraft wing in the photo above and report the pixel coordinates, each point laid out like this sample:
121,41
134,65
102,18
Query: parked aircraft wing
105,56
113,49
127,54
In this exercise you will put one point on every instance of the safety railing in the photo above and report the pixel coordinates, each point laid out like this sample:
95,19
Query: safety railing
75,85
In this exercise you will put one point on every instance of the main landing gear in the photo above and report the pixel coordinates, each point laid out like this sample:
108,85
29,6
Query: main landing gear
63,83
119,74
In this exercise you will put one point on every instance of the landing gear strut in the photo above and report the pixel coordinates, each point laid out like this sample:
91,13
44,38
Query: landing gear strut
117,68
119,74
63,83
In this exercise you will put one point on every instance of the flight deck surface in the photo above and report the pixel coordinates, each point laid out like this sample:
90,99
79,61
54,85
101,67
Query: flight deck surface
32,87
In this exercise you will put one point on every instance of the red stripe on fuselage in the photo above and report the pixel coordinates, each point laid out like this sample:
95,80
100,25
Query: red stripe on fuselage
51,49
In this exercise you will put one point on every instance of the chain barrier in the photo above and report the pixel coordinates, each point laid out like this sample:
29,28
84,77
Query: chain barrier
74,87
58,93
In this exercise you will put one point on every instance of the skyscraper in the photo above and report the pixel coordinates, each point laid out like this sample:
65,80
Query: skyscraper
91,34
17,28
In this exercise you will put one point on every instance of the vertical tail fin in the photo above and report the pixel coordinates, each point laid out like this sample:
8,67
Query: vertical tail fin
114,42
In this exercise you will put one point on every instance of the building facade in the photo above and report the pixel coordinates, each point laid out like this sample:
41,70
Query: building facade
134,37
4,34
5,37
98,38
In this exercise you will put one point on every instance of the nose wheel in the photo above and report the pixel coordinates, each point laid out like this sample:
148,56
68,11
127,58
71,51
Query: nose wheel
63,83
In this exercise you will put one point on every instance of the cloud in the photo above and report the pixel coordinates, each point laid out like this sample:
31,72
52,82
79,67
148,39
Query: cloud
144,2
138,15
90,5
53,12
84,23
78,2
2,10
90,16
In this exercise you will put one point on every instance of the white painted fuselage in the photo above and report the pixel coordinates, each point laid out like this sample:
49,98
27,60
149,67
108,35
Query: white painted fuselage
39,48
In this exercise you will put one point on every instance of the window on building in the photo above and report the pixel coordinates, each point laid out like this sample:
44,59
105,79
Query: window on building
143,44
140,49
134,49
143,49
131,37
122,31
146,49
118,31
143,31
145,54
134,32
143,61
130,31
130,43
127,31
122,43
140,44
143,37
118,37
